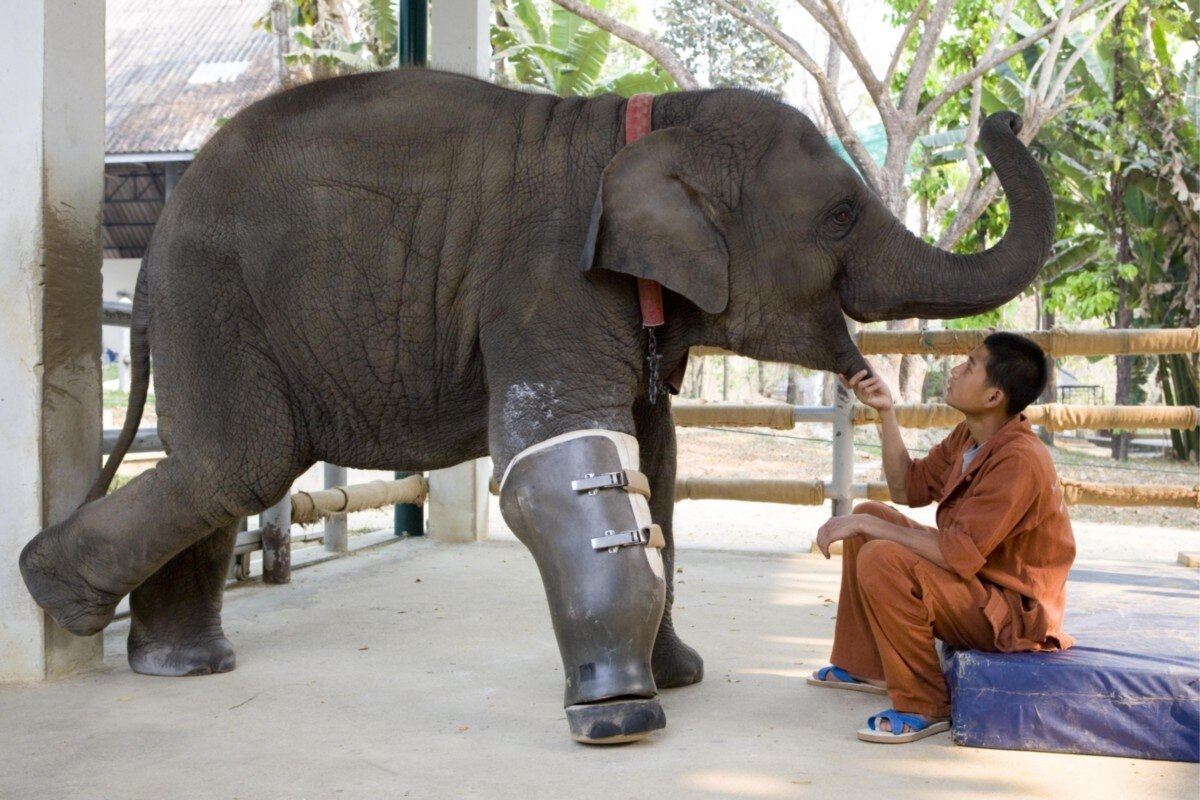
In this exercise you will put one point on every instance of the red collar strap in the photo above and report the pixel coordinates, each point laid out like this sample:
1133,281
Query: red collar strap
638,117
638,123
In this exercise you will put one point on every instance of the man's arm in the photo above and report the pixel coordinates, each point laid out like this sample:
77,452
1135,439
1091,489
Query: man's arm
896,459
922,542
872,391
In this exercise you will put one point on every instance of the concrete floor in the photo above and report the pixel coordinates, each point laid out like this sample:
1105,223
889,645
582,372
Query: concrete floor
426,670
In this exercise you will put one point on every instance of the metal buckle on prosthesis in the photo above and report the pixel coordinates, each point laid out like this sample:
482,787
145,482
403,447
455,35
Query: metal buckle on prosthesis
612,541
592,483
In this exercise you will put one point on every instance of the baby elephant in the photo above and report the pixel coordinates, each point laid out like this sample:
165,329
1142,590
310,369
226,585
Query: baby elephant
409,269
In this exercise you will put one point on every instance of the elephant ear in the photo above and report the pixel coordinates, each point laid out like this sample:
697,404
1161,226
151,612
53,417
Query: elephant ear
654,218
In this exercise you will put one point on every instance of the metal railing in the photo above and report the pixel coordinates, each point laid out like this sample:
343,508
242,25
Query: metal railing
845,414
273,537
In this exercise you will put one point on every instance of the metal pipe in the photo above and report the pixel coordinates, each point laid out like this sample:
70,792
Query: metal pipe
336,533
843,446
116,314
277,542
146,440
412,36
824,414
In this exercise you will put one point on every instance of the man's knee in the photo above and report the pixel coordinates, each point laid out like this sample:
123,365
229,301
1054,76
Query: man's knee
884,565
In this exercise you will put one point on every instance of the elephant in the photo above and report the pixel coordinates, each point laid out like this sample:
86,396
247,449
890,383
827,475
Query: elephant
405,270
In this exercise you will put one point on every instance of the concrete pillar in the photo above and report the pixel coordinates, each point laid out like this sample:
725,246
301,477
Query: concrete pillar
458,502
460,37
458,497
51,168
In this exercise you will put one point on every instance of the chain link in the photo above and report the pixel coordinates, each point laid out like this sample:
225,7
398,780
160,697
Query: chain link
653,358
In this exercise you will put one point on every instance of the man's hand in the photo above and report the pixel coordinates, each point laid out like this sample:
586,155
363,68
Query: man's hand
840,528
923,542
870,390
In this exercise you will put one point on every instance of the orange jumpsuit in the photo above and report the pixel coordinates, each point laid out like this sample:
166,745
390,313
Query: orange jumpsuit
1004,531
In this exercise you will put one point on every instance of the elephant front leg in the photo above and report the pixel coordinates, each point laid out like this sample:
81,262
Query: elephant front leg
578,502
175,615
675,663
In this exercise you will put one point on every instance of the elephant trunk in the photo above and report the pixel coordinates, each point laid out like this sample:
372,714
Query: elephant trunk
905,277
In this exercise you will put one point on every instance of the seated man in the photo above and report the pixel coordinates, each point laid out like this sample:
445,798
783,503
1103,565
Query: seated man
992,574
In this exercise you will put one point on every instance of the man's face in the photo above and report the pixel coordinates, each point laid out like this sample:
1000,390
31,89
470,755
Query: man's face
968,389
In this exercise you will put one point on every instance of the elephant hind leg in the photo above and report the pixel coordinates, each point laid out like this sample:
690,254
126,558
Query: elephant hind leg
175,620
79,569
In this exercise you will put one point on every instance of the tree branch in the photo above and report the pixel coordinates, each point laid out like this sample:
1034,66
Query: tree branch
900,45
833,104
955,86
849,45
924,58
1050,56
1060,83
642,41
829,16
974,172
1040,109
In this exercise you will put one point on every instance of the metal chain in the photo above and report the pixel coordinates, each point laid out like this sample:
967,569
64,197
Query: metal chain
653,358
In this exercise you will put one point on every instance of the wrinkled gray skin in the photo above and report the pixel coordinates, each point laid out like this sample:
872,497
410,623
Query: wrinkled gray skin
384,272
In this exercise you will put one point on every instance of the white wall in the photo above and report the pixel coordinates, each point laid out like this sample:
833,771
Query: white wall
20,388
120,275
460,37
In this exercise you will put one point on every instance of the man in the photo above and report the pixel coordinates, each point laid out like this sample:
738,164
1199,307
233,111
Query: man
992,574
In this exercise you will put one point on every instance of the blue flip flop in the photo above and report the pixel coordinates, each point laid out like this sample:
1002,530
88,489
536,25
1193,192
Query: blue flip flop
844,680
919,728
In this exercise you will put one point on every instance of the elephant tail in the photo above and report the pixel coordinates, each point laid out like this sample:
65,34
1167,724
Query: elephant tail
139,361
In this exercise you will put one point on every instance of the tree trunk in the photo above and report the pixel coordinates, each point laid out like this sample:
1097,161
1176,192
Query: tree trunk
1050,393
1120,439
793,385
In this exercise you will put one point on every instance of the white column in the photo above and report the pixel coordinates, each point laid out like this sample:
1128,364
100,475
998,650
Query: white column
460,37
460,42
458,502
51,168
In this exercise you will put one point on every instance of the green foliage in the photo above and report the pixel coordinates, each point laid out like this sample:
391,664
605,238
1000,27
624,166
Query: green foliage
1121,160
721,51
1002,317
568,56
354,37
1125,163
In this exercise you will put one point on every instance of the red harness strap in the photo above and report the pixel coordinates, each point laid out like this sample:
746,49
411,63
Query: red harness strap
638,119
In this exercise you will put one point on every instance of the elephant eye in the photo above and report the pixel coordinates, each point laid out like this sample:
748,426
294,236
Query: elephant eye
840,220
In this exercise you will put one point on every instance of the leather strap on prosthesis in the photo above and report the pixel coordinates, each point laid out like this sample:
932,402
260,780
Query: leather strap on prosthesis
638,123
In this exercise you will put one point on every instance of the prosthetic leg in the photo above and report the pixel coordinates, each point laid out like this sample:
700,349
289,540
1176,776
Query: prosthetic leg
579,505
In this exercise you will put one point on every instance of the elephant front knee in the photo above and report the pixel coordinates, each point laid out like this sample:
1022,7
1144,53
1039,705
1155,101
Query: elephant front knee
579,504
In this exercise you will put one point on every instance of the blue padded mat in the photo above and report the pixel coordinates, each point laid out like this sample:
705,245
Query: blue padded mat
1129,687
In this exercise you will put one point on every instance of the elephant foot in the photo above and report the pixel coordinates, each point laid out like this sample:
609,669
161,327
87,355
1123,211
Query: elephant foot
58,587
180,659
615,721
675,664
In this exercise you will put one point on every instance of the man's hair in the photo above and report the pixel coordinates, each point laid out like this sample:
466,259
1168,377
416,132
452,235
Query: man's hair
1017,367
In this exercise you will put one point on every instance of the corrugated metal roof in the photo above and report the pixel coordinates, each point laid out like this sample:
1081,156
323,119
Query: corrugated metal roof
176,67
133,200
